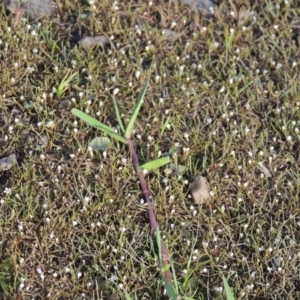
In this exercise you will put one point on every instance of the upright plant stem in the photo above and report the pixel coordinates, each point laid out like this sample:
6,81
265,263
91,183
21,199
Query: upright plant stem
153,222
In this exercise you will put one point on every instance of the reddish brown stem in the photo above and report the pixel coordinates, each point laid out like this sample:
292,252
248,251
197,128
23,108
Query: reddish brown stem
153,222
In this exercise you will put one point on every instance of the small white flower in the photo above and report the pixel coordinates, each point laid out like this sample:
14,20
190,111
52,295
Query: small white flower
216,44
50,124
222,89
181,68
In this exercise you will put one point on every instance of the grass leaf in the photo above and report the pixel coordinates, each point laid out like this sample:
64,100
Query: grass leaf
170,290
228,290
118,115
136,110
96,124
154,164
127,296
64,84
158,240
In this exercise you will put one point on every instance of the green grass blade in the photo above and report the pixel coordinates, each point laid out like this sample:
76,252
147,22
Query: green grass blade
63,85
154,164
158,240
95,123
88,119
164,125
176,288
228,290
118,115
127,296
136,110
170,290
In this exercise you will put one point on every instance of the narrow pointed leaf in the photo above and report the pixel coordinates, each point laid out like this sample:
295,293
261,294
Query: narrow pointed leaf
174,279
88,119
118,115
165,125
112,133
154,164
95,123
228,290
127,296
136,110
170,290
63,85
158,240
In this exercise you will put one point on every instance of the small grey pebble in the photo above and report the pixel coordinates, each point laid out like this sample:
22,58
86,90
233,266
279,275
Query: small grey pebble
200,190
6,163
90,41
34,9
200,4
64,104
43,141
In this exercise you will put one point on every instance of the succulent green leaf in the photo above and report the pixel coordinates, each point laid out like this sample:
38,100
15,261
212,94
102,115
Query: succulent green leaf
100,143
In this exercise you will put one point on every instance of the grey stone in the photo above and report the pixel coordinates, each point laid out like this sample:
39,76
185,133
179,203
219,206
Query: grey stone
90,41
6,163
34,9
200,4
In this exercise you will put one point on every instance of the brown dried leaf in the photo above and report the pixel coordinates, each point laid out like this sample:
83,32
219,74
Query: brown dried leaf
200,190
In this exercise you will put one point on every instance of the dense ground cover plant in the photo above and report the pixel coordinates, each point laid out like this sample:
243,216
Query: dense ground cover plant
223,90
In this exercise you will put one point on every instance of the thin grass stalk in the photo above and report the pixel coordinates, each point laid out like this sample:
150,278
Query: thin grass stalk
146,193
